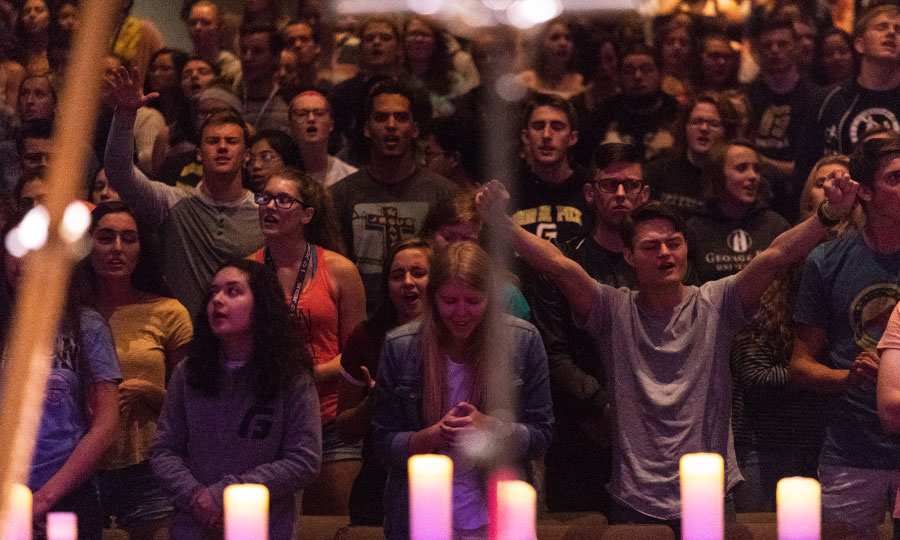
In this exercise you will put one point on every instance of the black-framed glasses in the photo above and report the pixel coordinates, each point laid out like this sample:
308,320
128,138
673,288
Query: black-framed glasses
611,185
282,200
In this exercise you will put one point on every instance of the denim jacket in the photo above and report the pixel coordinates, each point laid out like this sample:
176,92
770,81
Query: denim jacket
397,411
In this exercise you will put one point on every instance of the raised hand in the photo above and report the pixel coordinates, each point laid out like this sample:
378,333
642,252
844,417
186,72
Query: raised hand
840,192
491,201
122,90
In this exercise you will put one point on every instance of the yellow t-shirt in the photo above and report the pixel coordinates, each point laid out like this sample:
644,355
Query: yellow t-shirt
146,333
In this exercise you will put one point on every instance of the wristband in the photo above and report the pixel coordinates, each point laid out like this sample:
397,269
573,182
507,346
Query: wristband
826,217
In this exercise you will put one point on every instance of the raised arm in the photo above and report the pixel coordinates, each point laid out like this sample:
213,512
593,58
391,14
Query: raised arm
793,245
566,274
151,199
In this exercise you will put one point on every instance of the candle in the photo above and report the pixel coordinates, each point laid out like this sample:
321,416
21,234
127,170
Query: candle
702,497
430,497
62,526
799,509
246,512
18,514
516,504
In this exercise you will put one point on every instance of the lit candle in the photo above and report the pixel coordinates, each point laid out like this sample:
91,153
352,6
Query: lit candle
246,512
430,497
62,526
516,503
18,514
799,509
702,497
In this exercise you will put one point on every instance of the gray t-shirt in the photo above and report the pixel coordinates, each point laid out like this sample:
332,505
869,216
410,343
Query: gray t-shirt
671,387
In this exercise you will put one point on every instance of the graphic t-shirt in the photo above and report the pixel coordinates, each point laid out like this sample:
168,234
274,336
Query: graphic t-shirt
849,291
64,418
776,119
720,246
375,216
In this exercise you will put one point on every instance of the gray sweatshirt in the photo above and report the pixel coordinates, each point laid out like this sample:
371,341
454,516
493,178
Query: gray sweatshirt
231,439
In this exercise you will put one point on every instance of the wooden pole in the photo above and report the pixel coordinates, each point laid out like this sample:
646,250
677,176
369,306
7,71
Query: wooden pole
42,291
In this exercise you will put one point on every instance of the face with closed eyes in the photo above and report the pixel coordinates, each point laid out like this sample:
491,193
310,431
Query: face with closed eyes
461,308
658,254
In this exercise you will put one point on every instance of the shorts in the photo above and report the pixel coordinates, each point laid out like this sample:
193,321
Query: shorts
335,450
132,494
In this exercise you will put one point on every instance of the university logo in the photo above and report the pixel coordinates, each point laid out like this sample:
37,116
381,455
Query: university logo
872,118
739,241
870,311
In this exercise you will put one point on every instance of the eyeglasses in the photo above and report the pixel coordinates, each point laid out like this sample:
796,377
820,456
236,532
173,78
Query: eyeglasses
611,185
266,157
697,122
282,200
303,113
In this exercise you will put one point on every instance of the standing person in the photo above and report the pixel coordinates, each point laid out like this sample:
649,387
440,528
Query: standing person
737,225
33,37
677,180
549,199
405,279
204,30
642,115
271,151
665,345
380,57
555,66
869,101
203,226
326,293
718,64
263,107
80,409
311,125
578,463
151,332
387,200
676,56
428,58
848,288
240,409
301,38
432,387
779,97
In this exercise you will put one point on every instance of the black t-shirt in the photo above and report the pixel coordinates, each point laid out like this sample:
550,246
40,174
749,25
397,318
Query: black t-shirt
676,182
551,211
647,122
720,246
841,117
776,119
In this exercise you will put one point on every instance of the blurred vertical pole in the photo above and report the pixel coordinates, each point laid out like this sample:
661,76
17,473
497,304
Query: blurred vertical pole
42,291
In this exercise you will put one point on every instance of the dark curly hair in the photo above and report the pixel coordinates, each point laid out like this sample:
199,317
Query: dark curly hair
279,357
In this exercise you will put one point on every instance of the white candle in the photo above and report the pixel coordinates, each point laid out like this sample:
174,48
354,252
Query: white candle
62,526
18,514
246,512
799,509
702,497
516,504
430,497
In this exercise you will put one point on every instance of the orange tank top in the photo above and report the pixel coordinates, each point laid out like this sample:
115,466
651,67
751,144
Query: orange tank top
317,314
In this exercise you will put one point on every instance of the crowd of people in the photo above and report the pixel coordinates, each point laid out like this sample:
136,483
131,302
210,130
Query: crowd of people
312,239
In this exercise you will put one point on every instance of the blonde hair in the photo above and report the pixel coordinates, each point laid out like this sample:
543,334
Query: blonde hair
469,264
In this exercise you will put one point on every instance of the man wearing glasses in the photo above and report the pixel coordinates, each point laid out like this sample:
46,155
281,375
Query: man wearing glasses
578,462
201,227
311,126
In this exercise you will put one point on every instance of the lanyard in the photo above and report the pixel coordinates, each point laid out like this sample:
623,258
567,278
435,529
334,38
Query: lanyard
301,275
